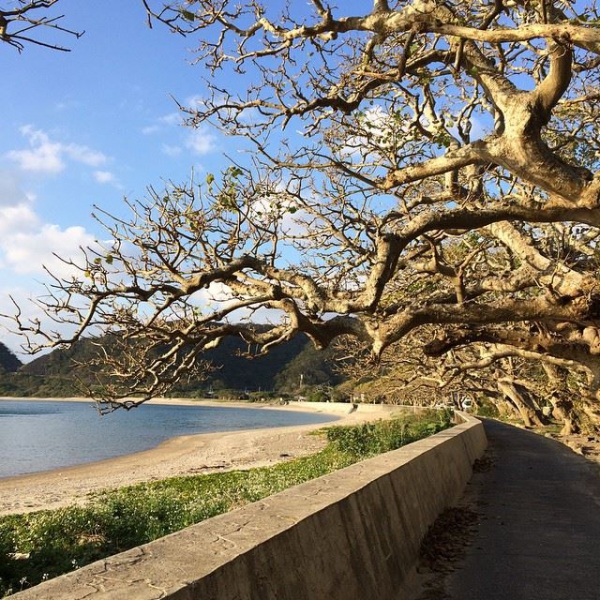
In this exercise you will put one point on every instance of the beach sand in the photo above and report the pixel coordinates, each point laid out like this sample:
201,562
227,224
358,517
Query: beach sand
185,455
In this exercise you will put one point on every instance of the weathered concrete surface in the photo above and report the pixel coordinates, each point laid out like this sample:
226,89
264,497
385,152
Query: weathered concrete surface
354,534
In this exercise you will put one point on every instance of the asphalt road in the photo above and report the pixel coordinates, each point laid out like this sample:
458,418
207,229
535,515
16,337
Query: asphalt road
538,531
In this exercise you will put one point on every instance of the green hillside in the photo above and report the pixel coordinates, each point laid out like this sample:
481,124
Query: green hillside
235,366
9,363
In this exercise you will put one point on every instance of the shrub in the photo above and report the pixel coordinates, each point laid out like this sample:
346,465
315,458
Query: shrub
369,439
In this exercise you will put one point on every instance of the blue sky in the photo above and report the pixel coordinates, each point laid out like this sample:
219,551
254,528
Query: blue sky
90,127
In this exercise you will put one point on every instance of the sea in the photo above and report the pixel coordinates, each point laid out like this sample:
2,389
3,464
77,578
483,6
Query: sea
51,434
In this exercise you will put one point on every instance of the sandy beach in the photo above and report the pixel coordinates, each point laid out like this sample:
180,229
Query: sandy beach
186,455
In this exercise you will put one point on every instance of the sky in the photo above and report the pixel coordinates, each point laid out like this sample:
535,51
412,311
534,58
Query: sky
90,127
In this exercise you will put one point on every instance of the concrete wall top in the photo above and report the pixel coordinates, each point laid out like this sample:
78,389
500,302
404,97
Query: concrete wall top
353,534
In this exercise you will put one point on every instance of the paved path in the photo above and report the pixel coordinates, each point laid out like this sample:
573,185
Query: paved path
539,532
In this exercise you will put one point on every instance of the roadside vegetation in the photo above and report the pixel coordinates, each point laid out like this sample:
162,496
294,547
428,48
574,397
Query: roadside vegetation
41,545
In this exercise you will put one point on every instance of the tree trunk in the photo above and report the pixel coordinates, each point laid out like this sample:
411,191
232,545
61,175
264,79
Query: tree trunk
562,410
529,414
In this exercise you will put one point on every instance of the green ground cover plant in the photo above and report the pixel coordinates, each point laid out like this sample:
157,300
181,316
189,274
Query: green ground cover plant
41,545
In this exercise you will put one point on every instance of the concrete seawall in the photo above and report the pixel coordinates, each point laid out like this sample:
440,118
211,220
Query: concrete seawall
351,535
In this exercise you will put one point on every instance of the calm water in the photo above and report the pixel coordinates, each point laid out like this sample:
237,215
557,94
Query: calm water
38,436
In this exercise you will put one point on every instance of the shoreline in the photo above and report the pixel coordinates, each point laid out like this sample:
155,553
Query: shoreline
333,408
183,455
161,401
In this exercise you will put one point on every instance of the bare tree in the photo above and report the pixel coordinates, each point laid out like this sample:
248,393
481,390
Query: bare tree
22,21
425,169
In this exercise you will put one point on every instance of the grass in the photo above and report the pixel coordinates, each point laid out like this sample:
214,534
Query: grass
44,544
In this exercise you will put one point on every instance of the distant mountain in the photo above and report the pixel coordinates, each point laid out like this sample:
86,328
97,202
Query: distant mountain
238,366
9,363
60,361
235,366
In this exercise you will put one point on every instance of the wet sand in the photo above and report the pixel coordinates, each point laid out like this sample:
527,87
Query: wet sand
185,455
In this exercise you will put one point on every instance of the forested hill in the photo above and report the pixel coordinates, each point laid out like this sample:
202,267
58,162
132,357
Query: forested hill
8,361
281,370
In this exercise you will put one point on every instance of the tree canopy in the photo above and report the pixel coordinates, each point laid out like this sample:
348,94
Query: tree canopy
426,173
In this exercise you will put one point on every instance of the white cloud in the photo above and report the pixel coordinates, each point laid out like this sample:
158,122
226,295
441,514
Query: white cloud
85,155
381,129
282,209
106,178
48,156
44,157
11,190
27,244
103,176
150,129
200,141
16,218
219,297
28,252
196,102
172,151
169,120
173,118
67,105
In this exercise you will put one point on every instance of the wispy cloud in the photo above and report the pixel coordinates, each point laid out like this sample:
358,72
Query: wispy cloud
107,178
171,151
196,102
170,120
174,118
200,141
151,129
48,156
67,105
